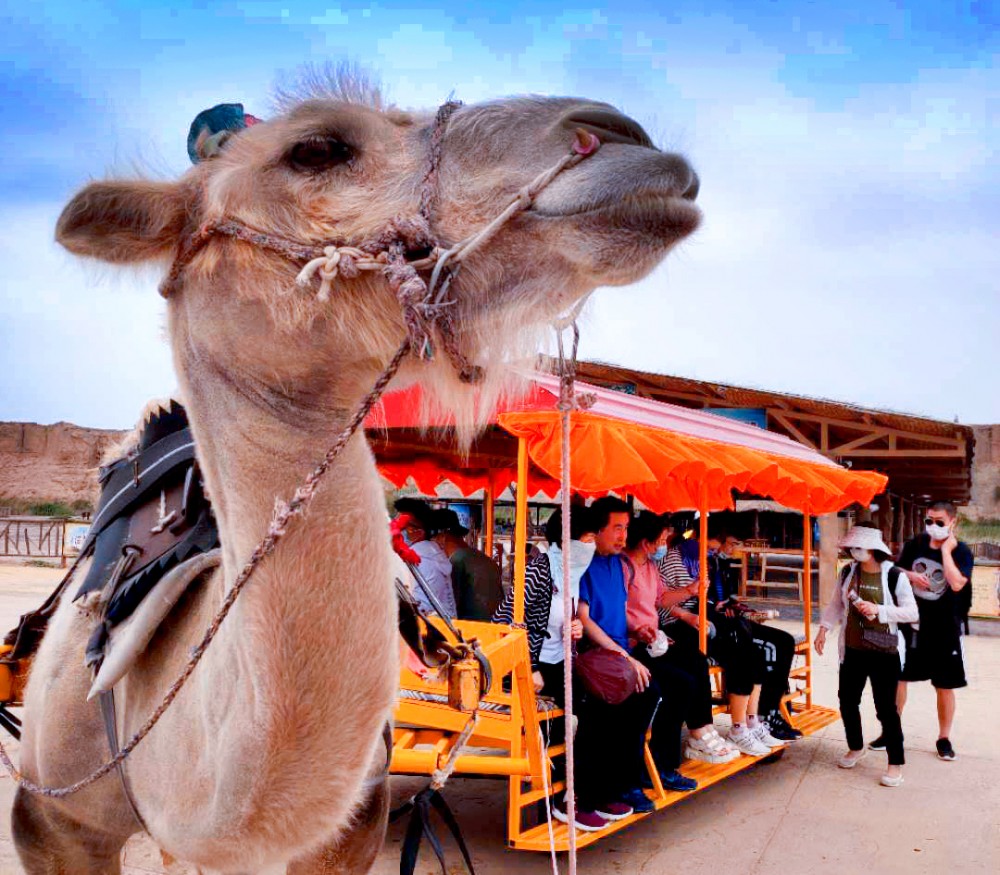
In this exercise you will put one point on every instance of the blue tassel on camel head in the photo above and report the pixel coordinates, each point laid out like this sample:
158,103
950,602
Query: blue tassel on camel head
212,128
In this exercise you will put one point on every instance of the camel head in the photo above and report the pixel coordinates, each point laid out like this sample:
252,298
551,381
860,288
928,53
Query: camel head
336,165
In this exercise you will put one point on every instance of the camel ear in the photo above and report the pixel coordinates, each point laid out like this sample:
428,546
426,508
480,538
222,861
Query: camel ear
123,222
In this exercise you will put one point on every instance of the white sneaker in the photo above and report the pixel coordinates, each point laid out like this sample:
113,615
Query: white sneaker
710,748
891,780
748,743
760,732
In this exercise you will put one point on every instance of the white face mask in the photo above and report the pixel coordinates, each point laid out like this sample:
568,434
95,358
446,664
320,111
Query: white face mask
580,554
938,532
860,555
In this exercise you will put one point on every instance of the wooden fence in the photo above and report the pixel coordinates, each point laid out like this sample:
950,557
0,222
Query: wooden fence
986,550
33,539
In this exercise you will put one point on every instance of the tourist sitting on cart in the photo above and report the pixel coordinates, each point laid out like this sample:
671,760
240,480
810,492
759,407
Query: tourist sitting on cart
776,645
731,645
434,567
603,604
475,578
610,738
681,672
543,602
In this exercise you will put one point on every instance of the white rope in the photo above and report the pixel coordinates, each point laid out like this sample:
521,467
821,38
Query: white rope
566,375
561,323
441,775
546,766
521,201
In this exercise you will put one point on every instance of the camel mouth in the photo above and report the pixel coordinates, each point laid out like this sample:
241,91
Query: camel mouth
638,200
669,216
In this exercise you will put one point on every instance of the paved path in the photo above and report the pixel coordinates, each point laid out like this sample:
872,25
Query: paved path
798,815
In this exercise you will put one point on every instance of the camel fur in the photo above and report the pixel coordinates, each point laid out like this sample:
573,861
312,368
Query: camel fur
260,764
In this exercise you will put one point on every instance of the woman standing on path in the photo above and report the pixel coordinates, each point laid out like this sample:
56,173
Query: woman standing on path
872,598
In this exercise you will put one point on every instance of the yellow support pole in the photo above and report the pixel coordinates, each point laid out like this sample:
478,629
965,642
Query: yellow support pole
807,596
703,569
520,529
489,513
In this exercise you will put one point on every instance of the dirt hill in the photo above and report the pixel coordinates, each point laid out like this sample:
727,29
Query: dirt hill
51,462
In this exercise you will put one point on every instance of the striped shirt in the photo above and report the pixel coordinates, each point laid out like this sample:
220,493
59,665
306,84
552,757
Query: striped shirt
537,603
675,576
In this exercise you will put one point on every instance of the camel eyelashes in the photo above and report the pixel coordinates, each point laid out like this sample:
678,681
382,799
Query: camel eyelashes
319,153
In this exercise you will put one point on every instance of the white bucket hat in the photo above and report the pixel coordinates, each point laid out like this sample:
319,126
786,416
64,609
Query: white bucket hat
865,537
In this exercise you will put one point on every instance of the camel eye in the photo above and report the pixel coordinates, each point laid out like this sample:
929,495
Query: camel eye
320,153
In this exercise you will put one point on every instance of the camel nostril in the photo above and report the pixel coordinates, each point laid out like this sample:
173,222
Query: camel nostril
691,192
609,125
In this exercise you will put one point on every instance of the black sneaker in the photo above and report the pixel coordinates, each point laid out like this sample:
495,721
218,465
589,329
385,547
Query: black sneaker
945,750
877,744
781,729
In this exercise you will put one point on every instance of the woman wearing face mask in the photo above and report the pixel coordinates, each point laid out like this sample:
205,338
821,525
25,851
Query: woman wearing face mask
872,598
681,672
544,617
543,600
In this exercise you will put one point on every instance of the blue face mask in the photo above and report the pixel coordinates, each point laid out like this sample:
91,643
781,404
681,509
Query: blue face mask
406,538
659,554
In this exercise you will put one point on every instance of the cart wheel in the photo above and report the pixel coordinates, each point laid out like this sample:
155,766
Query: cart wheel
774,757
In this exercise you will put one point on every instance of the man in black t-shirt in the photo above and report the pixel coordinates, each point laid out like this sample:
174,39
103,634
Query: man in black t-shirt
939,567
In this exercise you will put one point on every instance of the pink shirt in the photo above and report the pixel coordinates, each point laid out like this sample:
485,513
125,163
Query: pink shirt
644,591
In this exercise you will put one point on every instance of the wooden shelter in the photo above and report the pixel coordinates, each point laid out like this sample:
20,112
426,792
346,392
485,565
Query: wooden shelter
924,459
667,456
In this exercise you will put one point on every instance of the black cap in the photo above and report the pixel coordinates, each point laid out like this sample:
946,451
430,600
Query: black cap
421,512
447,521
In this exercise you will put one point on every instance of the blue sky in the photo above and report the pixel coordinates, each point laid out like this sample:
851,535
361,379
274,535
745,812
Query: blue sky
848,154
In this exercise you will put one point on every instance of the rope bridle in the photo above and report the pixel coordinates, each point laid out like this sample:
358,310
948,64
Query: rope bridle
425,312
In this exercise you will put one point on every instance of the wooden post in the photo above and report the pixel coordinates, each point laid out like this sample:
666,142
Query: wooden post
489,514
889,518
703,569
807,596
520,529
830,531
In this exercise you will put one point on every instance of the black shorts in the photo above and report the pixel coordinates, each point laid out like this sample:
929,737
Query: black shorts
936,656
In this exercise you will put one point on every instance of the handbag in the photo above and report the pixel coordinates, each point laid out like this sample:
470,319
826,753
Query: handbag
876,639
606,674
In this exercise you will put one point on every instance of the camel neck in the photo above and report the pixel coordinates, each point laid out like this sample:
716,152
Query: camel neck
327,587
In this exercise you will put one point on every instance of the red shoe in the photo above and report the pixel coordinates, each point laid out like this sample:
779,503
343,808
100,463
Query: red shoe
588,821
615,811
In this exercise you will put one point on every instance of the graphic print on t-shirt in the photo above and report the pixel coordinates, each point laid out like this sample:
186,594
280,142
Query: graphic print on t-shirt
934,572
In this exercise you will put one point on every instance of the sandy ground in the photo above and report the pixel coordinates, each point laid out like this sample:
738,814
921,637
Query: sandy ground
801,814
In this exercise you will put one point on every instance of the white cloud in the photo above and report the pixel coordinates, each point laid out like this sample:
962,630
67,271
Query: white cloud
77,343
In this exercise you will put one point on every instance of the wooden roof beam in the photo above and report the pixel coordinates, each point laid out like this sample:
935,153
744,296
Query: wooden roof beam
843,449
906,454
782,419
886,430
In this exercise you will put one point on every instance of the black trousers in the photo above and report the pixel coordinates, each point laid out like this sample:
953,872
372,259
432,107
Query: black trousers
609,746
778,650
883,670
693,663
732,648
554,688
677,690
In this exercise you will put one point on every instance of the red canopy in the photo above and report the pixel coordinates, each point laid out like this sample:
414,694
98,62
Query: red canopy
661,453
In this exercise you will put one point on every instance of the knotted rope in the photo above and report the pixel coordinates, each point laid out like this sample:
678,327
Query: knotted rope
421,314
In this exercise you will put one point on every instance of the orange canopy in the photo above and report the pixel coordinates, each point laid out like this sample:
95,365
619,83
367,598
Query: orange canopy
662,454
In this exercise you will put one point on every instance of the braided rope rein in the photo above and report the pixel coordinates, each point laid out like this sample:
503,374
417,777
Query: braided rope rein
420,312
